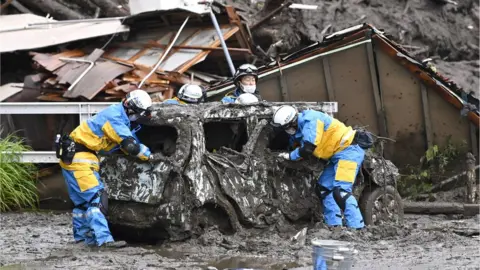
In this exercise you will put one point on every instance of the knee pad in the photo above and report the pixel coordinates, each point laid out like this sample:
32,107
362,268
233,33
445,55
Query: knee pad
321,191
101,201
104,203
340,196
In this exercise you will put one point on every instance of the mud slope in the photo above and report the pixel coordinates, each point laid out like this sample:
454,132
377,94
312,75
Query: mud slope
447,33
43,241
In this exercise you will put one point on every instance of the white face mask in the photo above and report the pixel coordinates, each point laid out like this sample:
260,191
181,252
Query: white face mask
249,88
291,131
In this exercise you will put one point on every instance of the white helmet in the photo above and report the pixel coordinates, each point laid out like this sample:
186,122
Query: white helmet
284,116
246,98
190,93
138,100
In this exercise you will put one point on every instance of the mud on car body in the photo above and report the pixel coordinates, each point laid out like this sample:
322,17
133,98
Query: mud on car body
215,165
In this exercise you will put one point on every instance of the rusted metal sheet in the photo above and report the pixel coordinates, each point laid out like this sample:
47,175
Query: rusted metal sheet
53,62
402,100
271,88
95,80
328,79
300,83
353,86
77,68
447,121
426,116
418,72
376,89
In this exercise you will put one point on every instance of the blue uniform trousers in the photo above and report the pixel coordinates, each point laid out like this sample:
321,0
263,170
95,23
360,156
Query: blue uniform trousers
337,180
89,223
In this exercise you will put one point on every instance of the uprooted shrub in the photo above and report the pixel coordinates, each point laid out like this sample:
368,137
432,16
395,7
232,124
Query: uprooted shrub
17,180
435,166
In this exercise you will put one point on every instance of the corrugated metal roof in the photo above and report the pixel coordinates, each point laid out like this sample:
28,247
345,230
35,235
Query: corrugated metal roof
17,33
141,6
10,89
96,79
206,37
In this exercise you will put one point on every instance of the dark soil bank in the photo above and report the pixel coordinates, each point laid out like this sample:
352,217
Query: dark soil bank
44,241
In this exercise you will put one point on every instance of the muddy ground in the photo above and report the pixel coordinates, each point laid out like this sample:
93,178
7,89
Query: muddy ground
43,241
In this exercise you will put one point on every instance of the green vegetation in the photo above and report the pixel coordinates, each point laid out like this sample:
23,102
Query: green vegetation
433,168
17,180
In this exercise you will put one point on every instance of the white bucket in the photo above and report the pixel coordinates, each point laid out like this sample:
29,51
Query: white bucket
332,254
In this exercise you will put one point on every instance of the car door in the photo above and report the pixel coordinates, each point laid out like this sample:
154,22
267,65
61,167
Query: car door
129,179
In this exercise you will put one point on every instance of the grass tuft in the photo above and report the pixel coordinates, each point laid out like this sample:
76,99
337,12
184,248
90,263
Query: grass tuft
17,180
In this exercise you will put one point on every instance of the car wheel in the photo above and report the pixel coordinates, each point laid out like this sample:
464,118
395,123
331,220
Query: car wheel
381,205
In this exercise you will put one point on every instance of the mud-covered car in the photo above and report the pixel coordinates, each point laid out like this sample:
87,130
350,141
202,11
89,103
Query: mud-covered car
215,165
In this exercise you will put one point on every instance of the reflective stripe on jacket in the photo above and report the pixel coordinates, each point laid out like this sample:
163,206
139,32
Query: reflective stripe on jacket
328,134
105,130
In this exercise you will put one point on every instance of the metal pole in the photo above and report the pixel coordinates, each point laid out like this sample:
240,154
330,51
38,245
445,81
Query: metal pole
91,64
78,21
224,46
164,54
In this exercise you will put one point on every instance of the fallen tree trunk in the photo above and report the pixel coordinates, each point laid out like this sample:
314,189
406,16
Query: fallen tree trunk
81,9
54,8
446,208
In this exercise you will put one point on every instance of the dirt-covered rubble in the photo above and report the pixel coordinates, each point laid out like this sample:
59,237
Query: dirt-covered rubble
43,241
447,33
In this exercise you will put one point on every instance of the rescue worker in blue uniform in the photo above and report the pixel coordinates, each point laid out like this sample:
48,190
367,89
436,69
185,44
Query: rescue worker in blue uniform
245,79
80,165
188,93
327,138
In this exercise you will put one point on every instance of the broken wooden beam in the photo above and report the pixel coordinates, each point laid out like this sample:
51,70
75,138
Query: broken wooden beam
437,208
187,47
447,184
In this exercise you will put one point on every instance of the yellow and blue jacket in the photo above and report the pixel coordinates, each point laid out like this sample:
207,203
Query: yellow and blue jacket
231,96
329,135
102,133
174,100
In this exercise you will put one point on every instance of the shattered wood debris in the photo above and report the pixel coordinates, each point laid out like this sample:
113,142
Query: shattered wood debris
108,74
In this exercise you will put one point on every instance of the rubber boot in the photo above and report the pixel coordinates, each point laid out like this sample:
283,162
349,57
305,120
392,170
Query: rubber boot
114,244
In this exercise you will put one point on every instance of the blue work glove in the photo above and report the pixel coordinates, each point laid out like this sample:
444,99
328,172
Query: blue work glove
144,153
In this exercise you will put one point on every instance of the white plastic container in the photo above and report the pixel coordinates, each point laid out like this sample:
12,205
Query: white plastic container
332,254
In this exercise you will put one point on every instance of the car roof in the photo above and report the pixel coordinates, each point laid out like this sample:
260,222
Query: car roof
218,110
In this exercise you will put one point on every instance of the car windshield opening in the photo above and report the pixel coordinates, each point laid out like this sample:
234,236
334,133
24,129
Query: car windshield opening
278,140
230,134
160,139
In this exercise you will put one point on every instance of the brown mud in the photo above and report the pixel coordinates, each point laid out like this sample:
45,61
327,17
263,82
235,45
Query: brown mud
43,241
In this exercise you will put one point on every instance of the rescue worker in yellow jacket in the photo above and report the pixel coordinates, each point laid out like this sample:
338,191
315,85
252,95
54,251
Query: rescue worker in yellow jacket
188,93
108,129
327,138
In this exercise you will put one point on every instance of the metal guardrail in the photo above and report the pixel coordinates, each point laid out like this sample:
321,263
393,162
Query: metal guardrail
83,109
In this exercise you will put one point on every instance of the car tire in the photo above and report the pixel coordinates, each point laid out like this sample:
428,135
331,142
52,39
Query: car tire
373,210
